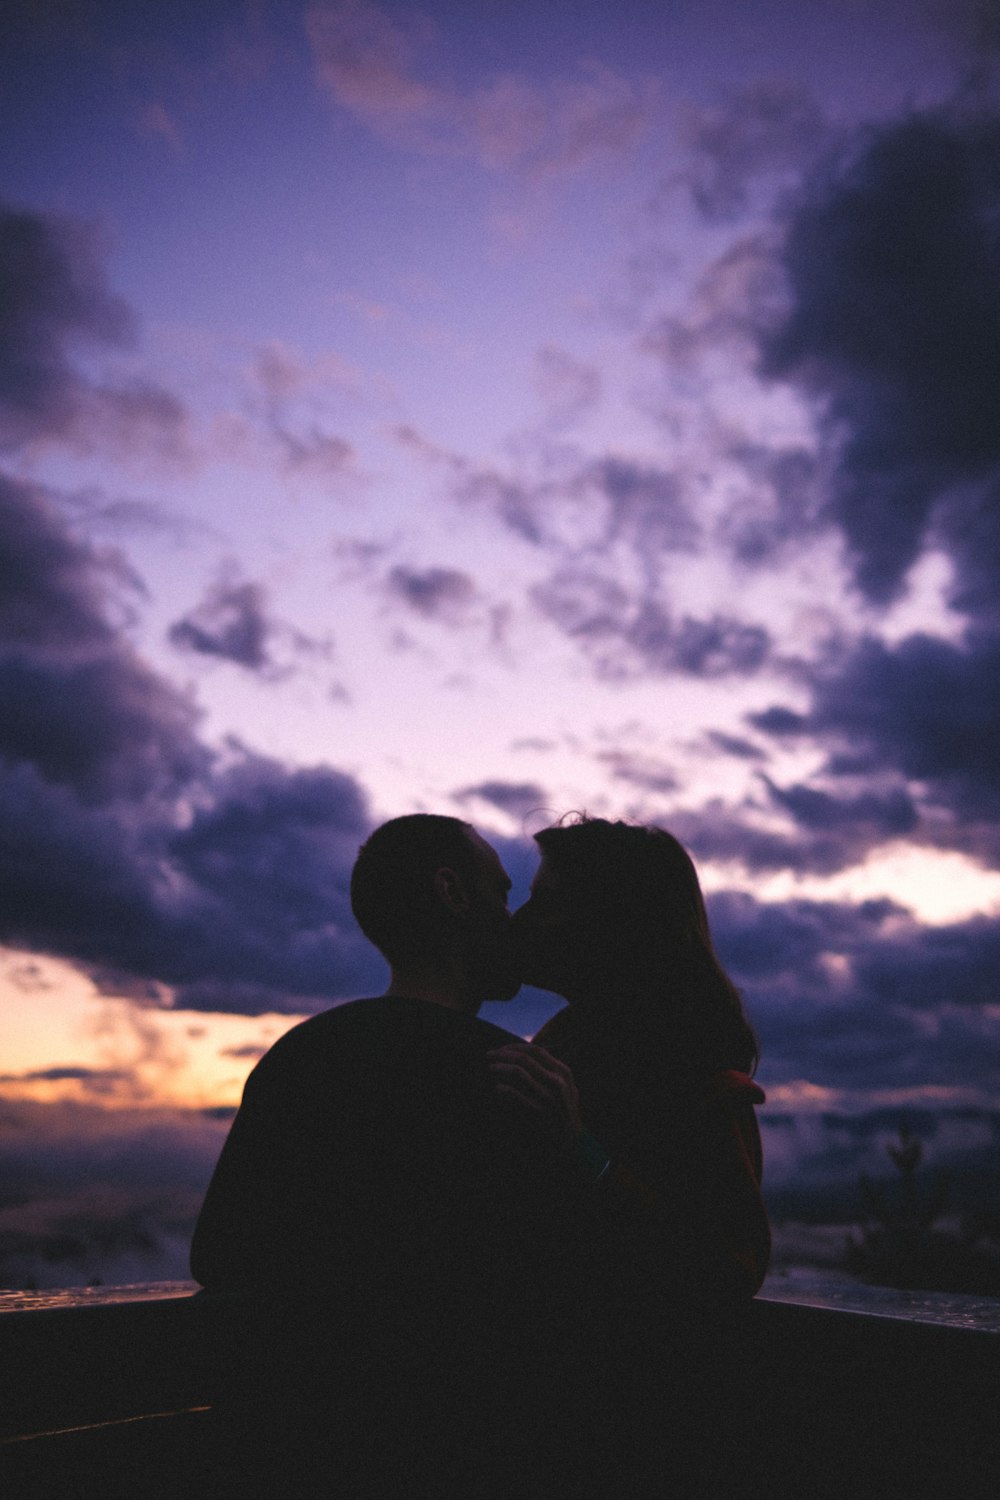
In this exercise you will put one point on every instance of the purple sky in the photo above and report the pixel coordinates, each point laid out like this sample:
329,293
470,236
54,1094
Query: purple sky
497,411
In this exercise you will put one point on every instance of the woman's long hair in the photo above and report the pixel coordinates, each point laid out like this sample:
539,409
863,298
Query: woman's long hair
642,932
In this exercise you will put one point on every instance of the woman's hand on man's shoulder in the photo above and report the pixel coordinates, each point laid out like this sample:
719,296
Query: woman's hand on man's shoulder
538,1088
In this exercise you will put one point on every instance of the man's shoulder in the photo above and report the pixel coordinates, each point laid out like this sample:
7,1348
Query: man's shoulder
328,1030
376,1023
342,1018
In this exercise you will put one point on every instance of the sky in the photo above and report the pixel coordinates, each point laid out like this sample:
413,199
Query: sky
500,411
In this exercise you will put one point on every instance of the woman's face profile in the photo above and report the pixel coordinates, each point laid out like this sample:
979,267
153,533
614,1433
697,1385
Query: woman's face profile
545,934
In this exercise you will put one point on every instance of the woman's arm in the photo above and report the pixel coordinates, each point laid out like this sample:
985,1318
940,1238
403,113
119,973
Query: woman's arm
685,1226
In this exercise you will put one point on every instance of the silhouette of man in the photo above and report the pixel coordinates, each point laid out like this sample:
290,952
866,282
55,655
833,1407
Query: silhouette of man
375,1188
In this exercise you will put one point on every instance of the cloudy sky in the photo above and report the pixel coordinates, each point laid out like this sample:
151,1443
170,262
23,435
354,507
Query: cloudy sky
496,410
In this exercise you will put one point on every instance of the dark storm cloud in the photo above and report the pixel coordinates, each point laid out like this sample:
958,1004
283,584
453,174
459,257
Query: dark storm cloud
825,831
79,705
862,996
246,909
54,297
51,591
888,815
267,862
925,706
127,847
106,727
627,637
53,300
957,964
892,259
924,709
767,941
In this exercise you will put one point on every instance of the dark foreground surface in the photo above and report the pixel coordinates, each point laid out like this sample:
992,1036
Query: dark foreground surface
825,1389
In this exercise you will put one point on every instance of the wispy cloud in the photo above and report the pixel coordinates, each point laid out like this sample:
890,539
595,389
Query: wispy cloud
374,65
626,635
770,129
233,623
436,593
515,798
156,120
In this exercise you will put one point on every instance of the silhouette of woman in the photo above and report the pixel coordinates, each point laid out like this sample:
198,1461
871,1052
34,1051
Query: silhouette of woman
653,1055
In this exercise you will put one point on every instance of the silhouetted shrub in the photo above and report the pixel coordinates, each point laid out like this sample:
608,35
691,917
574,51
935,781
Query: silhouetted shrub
899,1245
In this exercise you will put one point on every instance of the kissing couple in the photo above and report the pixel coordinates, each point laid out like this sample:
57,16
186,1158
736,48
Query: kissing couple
479,1265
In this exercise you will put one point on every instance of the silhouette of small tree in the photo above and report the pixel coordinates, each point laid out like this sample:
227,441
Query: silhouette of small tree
898,1244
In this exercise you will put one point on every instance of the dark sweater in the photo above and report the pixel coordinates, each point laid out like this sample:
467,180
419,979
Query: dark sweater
398,1230
683,1220
369,1158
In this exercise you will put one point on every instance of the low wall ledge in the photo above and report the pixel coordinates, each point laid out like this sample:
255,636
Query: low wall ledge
795,1287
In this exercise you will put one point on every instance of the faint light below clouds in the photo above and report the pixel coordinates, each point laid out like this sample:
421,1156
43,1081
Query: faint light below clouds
938,886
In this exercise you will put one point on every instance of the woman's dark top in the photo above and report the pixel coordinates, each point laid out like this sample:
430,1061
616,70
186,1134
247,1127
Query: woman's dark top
683,1195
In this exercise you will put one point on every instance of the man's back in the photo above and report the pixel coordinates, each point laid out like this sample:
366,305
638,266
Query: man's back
394,1230
370,1158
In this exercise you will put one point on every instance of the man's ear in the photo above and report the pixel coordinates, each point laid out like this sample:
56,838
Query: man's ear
452,891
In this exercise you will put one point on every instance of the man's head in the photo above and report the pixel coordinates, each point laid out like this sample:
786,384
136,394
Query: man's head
432,895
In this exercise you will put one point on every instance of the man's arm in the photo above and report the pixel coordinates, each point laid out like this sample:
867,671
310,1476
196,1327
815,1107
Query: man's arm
242,1232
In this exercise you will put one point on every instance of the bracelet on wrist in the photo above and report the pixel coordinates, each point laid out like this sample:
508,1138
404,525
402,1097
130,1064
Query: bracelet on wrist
591,1157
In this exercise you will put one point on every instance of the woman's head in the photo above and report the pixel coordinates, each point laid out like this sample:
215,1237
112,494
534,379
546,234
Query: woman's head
617,921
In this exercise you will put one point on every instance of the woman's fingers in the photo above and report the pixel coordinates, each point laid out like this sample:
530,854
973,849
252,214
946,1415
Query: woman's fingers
514,1075
535,1060
539,1081
545,1073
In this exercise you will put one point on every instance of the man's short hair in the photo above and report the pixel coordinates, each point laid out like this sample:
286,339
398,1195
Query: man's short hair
392,884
